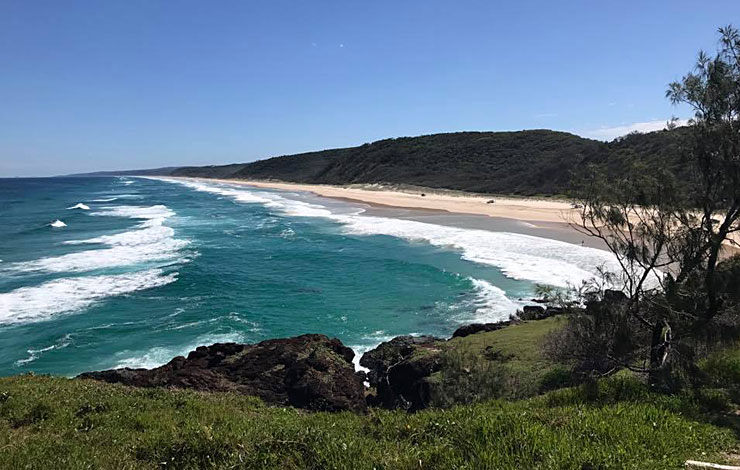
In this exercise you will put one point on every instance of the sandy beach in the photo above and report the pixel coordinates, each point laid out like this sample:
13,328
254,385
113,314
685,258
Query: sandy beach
530,210
529,216
547,218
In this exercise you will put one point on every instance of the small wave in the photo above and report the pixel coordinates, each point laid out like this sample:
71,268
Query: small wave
32,304
158,211
58,224
288,233
80,205
160,355
34,354
368,343
105,199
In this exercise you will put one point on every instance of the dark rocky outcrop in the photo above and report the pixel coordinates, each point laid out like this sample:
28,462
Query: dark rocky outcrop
400,368
473,328
308,371
536,312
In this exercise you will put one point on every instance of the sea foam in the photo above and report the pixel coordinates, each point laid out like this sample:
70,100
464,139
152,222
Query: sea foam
518,256
80,205
159,355
34,353
149,241
37,303
58,224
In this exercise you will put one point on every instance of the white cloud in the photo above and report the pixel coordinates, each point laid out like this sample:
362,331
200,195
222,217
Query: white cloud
609,133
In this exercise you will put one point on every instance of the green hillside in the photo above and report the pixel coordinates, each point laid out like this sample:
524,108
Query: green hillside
534,162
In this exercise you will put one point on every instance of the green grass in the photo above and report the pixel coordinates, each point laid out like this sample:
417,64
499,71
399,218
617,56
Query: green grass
519,350
65,423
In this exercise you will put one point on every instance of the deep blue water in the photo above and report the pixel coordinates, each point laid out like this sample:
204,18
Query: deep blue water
149,269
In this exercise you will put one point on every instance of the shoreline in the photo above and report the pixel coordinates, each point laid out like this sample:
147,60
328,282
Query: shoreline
531,216
523,209
527,216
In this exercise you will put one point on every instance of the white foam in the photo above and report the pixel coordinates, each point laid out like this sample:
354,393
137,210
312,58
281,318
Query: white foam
522,257
105,199
369,342
158,356
31,304
149,241
58,224
491,304
34,354
272,201
80,205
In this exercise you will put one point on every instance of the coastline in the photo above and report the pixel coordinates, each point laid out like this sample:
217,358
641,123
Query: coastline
525,209
548,218
528,216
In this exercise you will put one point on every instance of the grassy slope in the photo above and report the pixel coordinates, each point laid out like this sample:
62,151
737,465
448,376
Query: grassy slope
65,423
62,423
519,350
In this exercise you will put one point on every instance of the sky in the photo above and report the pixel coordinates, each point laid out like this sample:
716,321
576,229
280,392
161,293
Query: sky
91,85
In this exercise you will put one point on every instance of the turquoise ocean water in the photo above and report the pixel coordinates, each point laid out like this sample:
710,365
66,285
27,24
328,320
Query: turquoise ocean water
108,272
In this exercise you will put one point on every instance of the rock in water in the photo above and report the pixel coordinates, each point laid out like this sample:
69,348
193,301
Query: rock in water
308,371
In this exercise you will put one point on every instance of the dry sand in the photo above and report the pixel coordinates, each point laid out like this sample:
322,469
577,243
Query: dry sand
530,210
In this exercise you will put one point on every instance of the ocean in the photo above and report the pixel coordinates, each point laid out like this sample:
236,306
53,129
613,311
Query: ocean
97,273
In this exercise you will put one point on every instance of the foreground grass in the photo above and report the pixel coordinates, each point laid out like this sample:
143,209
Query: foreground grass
63,423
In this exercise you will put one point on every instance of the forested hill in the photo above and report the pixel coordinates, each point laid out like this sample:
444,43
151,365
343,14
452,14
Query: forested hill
534,162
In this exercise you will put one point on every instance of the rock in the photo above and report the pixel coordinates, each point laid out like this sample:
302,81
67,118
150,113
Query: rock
308,371
552,311
532,312
474,328
399,369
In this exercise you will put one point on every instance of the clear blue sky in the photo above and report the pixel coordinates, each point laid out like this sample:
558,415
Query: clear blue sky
96,85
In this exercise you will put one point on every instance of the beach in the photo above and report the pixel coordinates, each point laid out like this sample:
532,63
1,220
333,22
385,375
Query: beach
548,218
528,216
527,209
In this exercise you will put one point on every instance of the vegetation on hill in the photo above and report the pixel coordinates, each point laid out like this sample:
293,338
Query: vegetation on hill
532,162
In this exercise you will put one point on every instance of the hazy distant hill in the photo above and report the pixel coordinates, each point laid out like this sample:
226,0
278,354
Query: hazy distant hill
526,162
151,172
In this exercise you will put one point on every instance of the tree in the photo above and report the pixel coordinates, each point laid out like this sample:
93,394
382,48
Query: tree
667,237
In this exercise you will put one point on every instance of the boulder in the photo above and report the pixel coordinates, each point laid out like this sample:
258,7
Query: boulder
399,368
474,328
532,312
309,371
